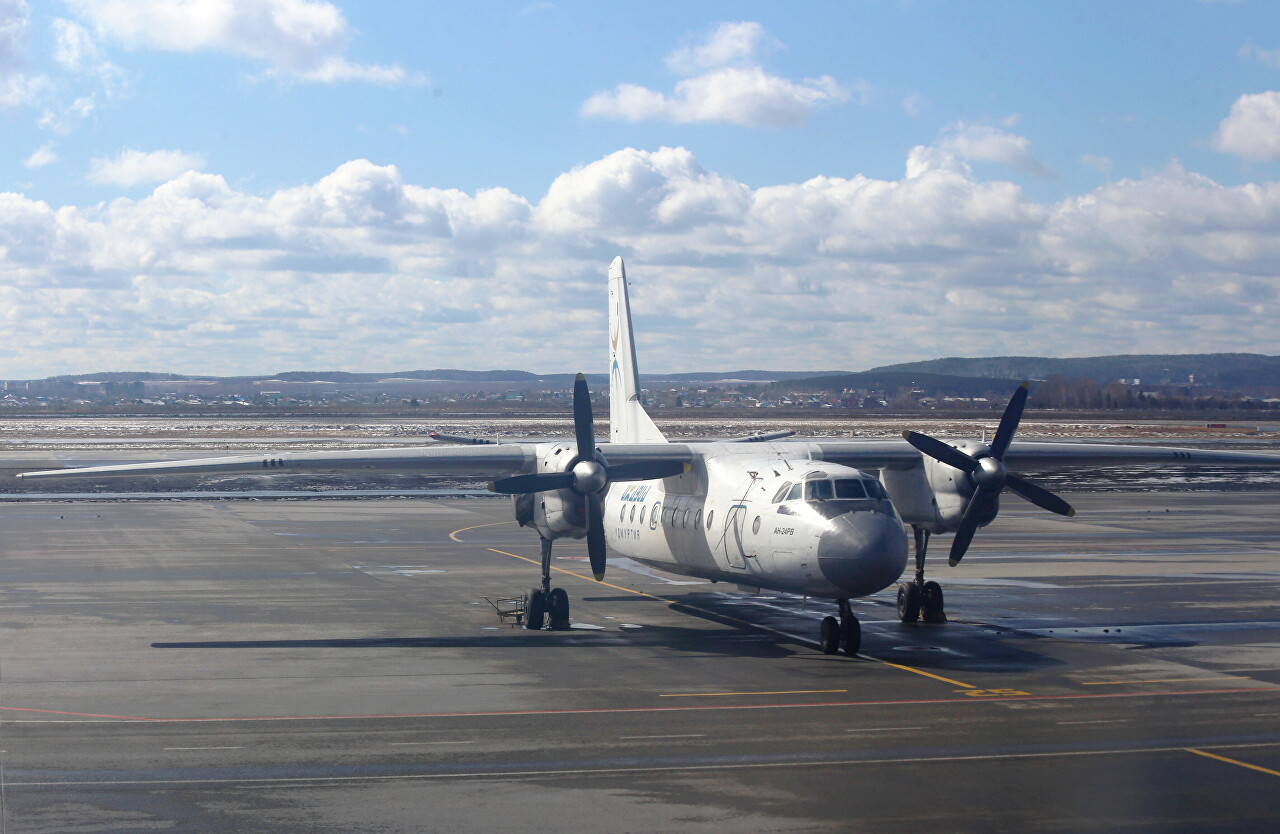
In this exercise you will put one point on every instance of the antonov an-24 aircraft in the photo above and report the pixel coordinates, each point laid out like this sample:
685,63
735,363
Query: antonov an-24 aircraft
822,518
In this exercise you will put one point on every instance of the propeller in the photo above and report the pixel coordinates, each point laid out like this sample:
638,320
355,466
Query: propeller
588,474
987,473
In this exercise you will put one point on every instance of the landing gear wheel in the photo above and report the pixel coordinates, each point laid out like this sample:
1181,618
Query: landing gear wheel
851,635
535,609
908,602
931,603
558,609
830,635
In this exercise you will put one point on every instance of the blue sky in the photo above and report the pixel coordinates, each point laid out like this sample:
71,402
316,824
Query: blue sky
214,186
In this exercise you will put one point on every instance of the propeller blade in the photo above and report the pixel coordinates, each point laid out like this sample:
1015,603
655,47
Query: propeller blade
647,470
940,451
961,543
1009,421
1038,495
968,526
541,482
595,535
584,429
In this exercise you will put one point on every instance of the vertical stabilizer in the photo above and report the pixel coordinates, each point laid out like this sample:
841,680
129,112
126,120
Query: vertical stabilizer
628,422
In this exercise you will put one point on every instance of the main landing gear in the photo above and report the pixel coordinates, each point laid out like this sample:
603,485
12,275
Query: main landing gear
546,603
919,599
845,632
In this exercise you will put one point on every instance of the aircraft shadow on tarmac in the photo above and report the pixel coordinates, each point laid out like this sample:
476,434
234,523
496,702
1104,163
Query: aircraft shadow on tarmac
690,640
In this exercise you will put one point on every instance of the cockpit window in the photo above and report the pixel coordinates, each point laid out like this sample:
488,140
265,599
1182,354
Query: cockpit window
781,494
817,491
795,493
876,490
850,488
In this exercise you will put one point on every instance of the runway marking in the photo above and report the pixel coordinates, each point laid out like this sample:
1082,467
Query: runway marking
412,743
919,672
204,748
730,618
454,534
675,735
881,729
608,771
651,709
1266,770
726,694
1169,680
1099,721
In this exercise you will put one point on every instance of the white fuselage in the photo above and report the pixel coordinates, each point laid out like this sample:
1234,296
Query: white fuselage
729,519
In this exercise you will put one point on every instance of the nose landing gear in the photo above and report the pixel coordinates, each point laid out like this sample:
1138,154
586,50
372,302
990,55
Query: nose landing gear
547,603
920,599
845,632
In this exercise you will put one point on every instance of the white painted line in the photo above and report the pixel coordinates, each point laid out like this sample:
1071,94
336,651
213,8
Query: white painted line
1099,721
685,735
204,748
881,729
410,743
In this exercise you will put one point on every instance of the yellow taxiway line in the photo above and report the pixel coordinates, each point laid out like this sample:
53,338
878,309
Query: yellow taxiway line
1266,770
454,534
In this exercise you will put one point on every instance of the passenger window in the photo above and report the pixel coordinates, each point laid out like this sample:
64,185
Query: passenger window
633,512
622,516
850,488
817,491
684,522
653,516
697,519
642,509
796,493
782,492
710,515
755,525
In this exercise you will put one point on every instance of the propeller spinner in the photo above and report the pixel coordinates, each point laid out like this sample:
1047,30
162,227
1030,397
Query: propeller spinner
988,474
589,475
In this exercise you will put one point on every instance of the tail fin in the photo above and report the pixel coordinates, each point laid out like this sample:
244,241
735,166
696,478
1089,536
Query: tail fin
628,422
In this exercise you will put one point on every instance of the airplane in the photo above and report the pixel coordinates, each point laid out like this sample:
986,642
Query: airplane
823,518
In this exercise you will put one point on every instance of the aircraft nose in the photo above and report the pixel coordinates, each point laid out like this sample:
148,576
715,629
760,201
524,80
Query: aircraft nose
862,553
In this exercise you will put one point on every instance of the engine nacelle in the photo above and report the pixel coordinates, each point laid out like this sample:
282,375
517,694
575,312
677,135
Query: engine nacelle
933,495
560,513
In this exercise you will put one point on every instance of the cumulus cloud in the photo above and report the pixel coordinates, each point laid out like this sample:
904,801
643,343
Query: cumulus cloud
301,40
18,88
42,156
985,143
362,270
1267,57
1252,129
730,87
134,167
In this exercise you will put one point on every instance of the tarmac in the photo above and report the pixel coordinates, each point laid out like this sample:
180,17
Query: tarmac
330,665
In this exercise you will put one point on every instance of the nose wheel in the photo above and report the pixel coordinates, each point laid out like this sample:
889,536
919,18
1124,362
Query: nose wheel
919,599
546,605
844,633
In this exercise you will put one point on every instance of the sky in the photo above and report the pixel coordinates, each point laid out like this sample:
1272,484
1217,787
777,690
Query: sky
256,186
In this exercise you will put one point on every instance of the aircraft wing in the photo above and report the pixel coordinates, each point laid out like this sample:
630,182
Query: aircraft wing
898,454
483,461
